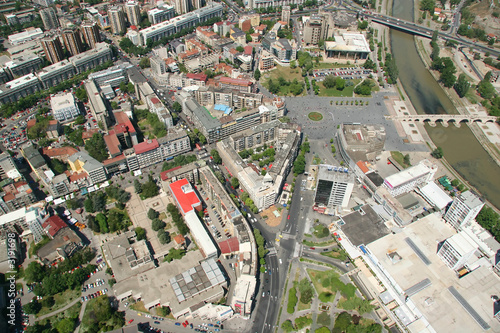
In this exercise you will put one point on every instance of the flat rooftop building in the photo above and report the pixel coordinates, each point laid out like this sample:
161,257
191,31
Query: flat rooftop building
407,179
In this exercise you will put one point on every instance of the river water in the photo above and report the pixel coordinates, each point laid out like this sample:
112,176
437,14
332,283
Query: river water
461,149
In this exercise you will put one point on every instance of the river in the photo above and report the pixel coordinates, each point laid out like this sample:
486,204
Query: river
461,148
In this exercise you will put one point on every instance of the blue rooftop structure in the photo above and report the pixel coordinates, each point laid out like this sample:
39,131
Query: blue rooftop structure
221,107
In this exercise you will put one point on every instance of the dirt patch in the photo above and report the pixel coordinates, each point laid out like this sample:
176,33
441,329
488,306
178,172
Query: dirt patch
272,220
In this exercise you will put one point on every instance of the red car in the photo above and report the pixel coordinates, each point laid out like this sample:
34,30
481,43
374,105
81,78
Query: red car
130,321
288,217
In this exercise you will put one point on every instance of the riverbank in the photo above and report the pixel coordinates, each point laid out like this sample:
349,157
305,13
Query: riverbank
469,158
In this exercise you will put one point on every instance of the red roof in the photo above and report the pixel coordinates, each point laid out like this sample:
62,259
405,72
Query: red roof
53,152
53,224
88,134
8,197
163,175
199,76
155,100
114,159
77,176
123,123
112,143
179,239
248,50
362,166
229,246
30,123
185,196
235,82
146,146
133,27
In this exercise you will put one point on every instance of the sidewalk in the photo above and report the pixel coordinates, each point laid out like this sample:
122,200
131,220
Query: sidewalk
67,306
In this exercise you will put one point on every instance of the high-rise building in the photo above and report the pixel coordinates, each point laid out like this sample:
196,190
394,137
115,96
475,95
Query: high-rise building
133,13
457,250
52,48
464,209
49,18
72,41
285,14
116,20
181,6
6,165
406,180
334,186
197,4
315,29
90,33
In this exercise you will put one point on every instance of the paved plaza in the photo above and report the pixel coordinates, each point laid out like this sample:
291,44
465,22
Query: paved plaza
334,115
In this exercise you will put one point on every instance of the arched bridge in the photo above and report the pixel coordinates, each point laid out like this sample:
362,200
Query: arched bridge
445,119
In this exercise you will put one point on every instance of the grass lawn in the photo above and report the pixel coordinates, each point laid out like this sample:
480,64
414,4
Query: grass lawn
61,300
72,312
146,128
472,96
139,306
326,243
327,283
162,216
340,254
315,116
325,65
320,231
302,306
286,72
348,91
400,158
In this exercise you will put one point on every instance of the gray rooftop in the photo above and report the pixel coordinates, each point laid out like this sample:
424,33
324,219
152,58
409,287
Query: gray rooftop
33,156
89,163
471,199
364,228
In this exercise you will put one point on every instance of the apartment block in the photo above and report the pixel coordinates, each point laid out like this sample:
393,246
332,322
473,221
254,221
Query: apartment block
464,209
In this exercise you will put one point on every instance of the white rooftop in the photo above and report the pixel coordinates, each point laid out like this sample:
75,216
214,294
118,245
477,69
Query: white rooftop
462,243
435,194
348,42
13,216
62,101
200,234
407,175
19,82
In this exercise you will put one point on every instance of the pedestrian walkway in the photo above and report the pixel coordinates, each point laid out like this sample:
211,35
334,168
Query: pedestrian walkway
67,306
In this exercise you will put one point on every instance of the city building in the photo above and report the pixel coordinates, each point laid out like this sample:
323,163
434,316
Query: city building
83,162
25,36
52,75
456,250
315,29
333,187
188,20
72,41
92,58
116,20
184,196
347,47
63,244
200,235
64,107
158,65
44,3
257,4
238,84
12,91
10,253
24,222
407,180
133,13
21,64
266,61
16,195
96,103
464,209
111,76
7,166
182,6
244,294
283,50
52,48
285,14
158,15
49,18
90,33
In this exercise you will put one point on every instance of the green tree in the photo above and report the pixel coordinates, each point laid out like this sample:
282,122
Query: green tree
80,120
130,88
339,83
96,147
462,85
99,201
427,6
89,207
66,325
163,237
215,156
103,222
437,153
235,182
137,186
149,188
140,233
152,214
175,254
485,88
287,326
330,81
32,308
256,74
35,272
145,63
177,107
114,105
157,224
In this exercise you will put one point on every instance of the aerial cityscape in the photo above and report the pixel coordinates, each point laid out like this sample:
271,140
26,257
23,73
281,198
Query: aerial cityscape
249,166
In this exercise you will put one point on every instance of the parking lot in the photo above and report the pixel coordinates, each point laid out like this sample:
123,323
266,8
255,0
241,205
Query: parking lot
347,73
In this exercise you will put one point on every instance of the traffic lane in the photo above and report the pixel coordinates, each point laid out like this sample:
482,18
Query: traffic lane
336,262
